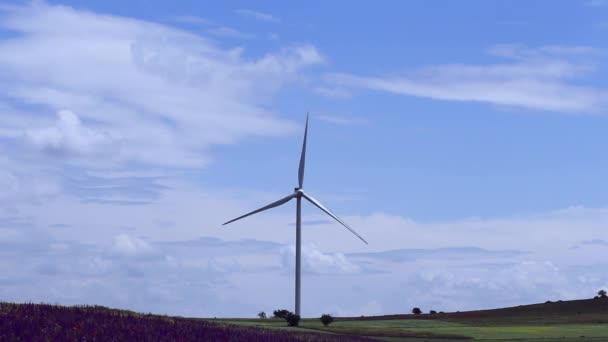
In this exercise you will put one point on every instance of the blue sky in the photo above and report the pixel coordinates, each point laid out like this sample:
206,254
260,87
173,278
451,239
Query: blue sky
464,141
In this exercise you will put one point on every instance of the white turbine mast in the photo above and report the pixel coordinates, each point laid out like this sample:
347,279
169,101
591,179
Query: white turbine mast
298,194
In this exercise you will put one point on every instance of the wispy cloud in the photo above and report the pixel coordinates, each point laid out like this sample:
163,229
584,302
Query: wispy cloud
257,15
400,255
332,92
342,120
544,78
100,92
597,3
597,242
212,28
192,19
228,32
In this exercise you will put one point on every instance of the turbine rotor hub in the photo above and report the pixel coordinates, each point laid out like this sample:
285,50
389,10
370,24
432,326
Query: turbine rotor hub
299,192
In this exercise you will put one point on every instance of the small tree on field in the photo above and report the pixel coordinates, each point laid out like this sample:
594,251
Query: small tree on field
326,319
292,319
262,315
601,293
416,311
281,313
433,312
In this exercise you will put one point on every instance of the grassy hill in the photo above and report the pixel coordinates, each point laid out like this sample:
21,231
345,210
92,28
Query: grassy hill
43,322
579,311
566,321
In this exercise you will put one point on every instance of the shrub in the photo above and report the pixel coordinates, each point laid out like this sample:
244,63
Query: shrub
416,311
292,319
262,315
281,313
601,293
326,319
433,312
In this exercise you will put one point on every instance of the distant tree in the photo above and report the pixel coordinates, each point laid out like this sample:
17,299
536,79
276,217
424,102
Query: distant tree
326,319
292,319
281,313
416,311
433,312
262,315
601,293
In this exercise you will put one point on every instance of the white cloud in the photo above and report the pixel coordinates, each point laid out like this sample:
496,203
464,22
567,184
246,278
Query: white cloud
127,245
540,79
598,242
228,271
431,273
257,15
192,19
342,120
8,183
21,186
122,75
316,261
228,32
67,135
333,92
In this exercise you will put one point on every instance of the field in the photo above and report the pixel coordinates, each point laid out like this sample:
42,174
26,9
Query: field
582,320
440,330
42,322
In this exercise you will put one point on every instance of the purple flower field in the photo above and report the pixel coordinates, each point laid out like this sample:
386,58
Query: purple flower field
44,322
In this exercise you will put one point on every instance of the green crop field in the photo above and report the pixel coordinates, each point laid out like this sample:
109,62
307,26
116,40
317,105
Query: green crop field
419,330
582,320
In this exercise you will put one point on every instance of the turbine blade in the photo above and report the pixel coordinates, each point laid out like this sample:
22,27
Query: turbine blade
303,156
270,206
328,212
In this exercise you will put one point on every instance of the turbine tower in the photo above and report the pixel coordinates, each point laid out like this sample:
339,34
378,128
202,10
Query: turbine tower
298,194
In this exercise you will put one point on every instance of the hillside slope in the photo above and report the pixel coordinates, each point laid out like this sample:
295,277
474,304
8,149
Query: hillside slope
43,322
583,311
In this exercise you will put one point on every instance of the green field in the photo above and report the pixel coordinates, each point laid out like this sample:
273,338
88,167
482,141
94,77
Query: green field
583,320
424,330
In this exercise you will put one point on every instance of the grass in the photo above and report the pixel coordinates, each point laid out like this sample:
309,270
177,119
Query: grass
524,332
425,330
568,321
580,320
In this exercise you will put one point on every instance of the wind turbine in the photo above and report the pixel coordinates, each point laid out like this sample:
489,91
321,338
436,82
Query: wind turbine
298,194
